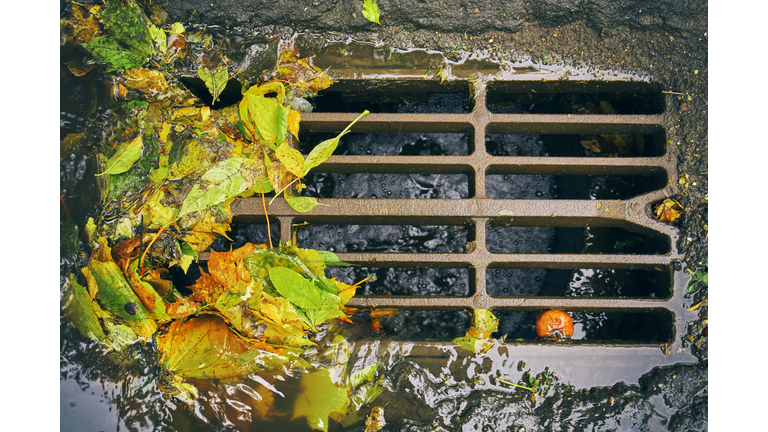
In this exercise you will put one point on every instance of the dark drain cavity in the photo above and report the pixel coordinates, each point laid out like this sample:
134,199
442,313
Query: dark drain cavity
574,98
507,197
393,144
572,240
584,282
394,97
572,145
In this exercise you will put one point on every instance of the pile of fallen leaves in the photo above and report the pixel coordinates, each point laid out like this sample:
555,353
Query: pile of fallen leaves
170,168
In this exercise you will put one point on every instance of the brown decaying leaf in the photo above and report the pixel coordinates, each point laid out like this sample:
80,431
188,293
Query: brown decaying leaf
82,26
668,211
376,316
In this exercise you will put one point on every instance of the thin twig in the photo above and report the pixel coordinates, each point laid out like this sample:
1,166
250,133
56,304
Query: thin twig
144,254
671,92
264,203
517,385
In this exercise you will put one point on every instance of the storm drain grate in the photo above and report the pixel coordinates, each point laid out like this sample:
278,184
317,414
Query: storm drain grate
491,113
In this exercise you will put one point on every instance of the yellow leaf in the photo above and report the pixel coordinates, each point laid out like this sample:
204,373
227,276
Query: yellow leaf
294,118
291,159
668,211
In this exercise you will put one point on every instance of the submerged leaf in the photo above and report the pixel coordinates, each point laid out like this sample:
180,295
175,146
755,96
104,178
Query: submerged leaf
205,347
319,399
78,310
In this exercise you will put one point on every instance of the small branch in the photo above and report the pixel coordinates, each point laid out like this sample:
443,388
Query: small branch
517,385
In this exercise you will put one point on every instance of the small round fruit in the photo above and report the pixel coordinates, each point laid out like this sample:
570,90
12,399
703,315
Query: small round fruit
554,323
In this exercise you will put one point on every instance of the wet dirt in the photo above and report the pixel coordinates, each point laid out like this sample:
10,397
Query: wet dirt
665,40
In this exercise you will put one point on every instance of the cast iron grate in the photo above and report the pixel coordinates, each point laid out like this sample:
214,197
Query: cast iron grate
494,110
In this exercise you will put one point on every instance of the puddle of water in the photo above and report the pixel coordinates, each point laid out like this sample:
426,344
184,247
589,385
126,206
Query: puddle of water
348,58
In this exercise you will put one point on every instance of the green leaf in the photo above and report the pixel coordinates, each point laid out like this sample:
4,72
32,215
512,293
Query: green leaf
325,149
105,49
371,11
159,38
125,20
216,81
70,240
224,180
328,310
332,260
366,373
126,155
319,399
281,126
295,287
78,310
257,112
301,204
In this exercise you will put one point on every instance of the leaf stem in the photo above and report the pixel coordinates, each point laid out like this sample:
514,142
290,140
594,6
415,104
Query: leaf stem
517,385
283,189
264,203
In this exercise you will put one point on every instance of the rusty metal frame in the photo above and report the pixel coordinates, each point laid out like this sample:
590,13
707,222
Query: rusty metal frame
479,210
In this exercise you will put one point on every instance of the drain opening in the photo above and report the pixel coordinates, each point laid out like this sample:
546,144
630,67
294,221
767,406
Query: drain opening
574,98
384,238
595,327
572,145
367,185
247,233
405,281
583,282
393,144
394,97
573,240
532,186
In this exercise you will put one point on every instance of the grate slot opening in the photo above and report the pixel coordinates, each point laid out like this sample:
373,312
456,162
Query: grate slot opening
582,187
384,238
242,233
421,325
393,144
573,240
652,326
583,282
388,186
570,145
350,96
398,281
574,98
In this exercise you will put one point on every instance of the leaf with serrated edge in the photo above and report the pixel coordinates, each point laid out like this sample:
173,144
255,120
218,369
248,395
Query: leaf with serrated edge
294,287
325,149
